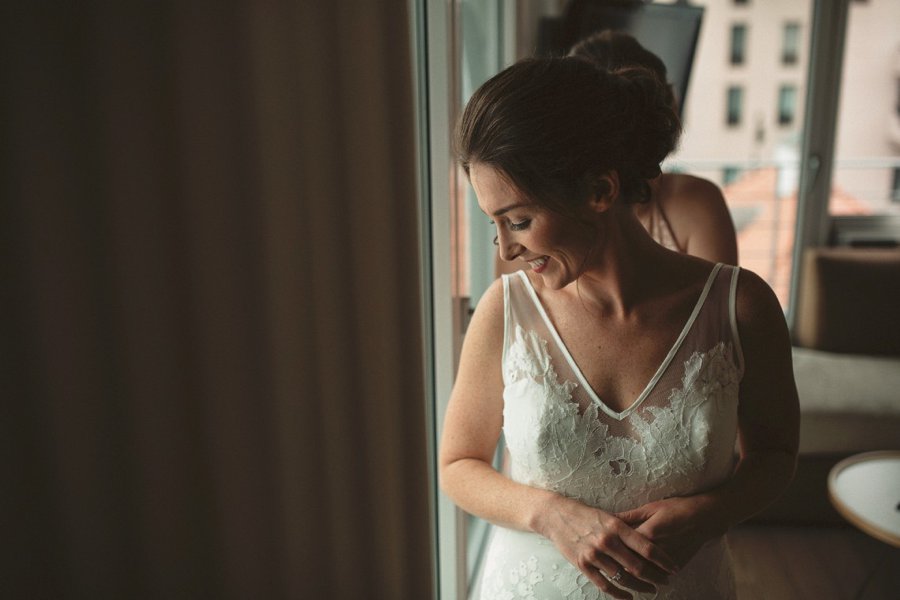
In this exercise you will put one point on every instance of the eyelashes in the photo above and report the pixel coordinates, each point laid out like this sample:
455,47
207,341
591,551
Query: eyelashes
521,225
517,226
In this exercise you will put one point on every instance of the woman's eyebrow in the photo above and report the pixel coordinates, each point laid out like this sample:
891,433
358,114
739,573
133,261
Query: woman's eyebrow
506,209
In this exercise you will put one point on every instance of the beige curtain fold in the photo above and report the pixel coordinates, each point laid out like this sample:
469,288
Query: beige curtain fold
211,309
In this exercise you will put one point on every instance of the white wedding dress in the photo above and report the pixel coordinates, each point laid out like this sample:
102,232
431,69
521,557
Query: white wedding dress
676,439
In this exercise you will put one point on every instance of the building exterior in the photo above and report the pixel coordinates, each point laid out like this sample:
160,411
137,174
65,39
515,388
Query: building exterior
744,111
744,102
748,89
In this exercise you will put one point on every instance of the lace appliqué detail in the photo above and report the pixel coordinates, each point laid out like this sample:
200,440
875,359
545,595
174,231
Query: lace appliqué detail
658,450
519,584
574,585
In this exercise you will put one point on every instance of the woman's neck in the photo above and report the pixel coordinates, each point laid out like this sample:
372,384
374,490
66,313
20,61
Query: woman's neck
621,276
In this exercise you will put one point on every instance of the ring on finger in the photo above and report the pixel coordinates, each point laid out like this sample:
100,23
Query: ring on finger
617,577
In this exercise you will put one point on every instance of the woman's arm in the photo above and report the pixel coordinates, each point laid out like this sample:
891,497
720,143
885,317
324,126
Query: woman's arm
768,426
591,539
769,411
473,423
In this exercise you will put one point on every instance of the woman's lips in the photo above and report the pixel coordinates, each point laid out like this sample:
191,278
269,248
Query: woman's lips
539,264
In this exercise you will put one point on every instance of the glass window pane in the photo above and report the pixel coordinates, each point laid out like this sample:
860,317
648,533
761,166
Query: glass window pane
867,150
481,38
752,151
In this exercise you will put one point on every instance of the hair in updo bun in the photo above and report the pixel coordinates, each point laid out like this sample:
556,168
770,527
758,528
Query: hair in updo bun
554,126
614,50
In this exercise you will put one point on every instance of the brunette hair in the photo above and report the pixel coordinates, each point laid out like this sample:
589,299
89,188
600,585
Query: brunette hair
615,50
554,126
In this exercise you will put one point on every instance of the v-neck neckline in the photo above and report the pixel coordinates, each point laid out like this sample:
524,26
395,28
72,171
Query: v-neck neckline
619,415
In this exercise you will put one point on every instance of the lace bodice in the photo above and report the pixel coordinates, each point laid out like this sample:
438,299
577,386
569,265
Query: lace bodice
675,439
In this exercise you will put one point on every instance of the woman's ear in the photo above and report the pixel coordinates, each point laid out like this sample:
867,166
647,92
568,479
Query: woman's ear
605,192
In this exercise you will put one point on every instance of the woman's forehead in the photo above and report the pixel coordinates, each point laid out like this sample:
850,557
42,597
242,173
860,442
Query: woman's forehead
496,193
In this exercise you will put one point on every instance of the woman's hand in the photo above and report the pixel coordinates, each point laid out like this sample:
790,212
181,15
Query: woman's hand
605,548
680,525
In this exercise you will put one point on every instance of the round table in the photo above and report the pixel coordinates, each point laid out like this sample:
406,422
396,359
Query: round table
865,490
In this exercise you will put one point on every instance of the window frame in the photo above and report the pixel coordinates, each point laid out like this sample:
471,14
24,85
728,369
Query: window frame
828,32
431,26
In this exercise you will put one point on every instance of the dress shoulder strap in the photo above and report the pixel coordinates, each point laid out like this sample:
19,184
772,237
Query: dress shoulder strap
732,316
717,320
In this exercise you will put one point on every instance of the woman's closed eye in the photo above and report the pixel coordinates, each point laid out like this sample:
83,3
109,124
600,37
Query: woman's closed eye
523,224
513,226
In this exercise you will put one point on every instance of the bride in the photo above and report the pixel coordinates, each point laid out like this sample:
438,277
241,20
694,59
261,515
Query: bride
621,373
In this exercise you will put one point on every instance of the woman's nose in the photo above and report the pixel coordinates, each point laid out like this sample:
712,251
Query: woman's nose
507,248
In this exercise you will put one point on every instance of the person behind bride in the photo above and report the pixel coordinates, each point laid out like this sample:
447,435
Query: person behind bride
683,212
620,372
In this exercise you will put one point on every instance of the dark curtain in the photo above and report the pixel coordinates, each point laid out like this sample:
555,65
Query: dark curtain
212,347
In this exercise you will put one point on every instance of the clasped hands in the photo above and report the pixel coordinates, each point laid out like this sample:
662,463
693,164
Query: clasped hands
638,549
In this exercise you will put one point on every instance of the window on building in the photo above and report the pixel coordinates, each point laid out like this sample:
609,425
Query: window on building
895,185
738,44
790,44
763,198
734,105
865,178
730,173
897,107
787,104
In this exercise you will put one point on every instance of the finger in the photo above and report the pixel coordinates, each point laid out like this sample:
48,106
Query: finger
598,577
629,581
636,564
633,516
619,576
653,553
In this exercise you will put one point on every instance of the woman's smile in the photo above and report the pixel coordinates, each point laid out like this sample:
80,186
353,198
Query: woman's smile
539,264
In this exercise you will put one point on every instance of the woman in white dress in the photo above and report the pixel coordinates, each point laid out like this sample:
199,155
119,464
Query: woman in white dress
620,372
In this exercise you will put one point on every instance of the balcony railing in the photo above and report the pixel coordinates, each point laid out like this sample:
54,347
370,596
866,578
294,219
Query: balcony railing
762,198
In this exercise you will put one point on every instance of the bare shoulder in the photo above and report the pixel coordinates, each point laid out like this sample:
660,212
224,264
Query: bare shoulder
689,193
756,302
491,302
699,217
769,407
485,331
762,328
